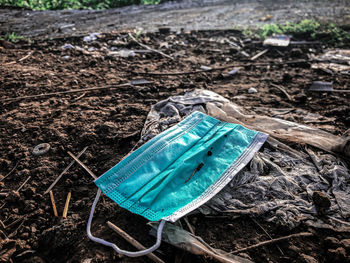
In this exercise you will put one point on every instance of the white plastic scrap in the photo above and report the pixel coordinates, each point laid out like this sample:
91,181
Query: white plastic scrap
91,37
252,90
124,53
277,41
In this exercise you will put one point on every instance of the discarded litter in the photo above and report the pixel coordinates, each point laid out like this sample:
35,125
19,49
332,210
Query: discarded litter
41,149
277,41
91,37
231,73
279,182
333,60
205,67
323,86
181,165
67,46
252,90
124,53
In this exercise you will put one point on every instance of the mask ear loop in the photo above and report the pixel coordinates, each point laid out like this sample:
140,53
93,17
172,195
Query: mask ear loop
117,249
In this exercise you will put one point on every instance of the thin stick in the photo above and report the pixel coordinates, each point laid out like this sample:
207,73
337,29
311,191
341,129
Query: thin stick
268,242
65,210
82,95
133,242
74,91
4,194
53,204
14,168
283,91
64,171
3,233
15,232
189,225
21,59
263,229
149,48
2,225
259,54
83,165
220,68
14,222
19,188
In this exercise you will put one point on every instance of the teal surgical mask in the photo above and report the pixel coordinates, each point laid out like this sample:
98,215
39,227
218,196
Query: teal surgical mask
178,170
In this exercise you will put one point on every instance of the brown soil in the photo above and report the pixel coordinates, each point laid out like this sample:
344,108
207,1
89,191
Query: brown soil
109,121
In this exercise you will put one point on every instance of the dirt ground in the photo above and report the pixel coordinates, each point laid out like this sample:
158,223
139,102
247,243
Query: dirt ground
187,14
109,122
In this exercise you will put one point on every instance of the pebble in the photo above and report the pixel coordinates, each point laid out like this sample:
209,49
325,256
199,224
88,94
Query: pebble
336,255
252,90
331,242
346,244
307,259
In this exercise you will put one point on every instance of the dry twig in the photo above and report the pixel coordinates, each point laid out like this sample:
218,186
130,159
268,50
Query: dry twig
19,188
14,168
283,91
129,84
263,229
259,54
64,171
133,242
272,241
65,210
21,59
83,165
149,48
189,225
53,204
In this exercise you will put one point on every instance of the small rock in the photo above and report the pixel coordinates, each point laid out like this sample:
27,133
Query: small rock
321,201
307,259
164,30
346,244
336,255
331,242
245,255
252,90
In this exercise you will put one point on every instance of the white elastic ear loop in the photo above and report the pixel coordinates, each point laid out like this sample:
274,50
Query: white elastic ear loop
117,249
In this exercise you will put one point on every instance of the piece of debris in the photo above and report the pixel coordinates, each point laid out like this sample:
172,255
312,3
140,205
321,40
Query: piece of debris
64,171
70,91
83,165
231,73
124,53
91,37
259,54
333,61
265,18
149,48
41,149
205,68
321,201
53,204
24,183
65,210
252,90
277,41
67,47
324,86
133,242
182,239
164,30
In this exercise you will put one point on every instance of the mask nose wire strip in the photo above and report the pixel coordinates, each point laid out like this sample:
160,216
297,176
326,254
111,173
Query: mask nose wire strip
112,245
